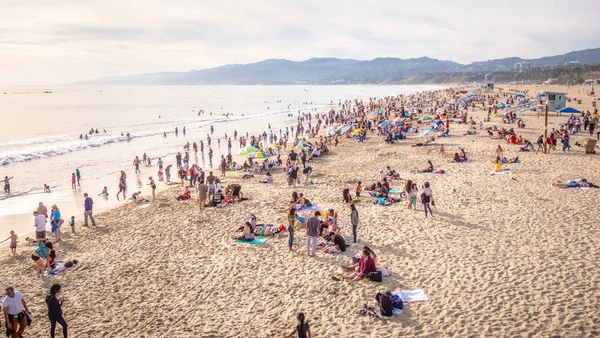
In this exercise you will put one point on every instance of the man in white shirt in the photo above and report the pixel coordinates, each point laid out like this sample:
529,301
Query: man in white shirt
40,226
13,305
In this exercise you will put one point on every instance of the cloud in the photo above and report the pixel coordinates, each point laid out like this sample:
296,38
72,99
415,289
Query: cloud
65,41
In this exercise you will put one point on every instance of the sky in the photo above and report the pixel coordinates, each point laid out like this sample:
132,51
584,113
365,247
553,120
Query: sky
57,42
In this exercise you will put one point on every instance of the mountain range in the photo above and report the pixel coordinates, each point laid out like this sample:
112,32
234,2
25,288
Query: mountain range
336,71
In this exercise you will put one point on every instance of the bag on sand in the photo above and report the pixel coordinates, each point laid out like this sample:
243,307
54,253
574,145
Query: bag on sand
384,300
424,198
376,276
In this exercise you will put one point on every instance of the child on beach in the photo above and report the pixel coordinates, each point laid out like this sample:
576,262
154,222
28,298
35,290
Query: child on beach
72,224
104,192
358,188
47,188
73,181
303,328
442,149
13,242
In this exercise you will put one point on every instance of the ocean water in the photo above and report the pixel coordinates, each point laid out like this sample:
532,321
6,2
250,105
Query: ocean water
40,144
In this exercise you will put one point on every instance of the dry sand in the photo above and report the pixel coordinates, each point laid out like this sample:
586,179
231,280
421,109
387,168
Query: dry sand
504,255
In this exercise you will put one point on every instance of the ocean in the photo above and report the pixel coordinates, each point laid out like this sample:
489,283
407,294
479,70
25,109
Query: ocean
41,127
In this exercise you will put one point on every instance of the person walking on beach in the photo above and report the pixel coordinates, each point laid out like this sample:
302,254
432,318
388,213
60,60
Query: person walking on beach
353,220
136,163
78,175
153,186
6,181
223,166
303,328
427,199
56,222
202,194
73,181
122,185
290,228
39,222
312,234
55,313
88,204
13,306
168,172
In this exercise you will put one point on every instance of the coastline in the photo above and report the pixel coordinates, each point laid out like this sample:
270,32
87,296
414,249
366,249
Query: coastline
504,255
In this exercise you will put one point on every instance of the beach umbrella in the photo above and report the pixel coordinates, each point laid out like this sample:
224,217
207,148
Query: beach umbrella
471,95
501,105
425,118
381,111
569,110
345,129
385,124
519,95
247,150
259,154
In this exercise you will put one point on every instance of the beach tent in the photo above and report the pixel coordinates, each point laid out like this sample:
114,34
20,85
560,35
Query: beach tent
247,150
569,110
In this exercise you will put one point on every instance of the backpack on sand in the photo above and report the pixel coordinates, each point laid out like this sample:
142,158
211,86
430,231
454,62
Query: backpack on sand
384,300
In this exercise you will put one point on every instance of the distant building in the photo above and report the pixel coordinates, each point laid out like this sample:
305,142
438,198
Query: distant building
522,66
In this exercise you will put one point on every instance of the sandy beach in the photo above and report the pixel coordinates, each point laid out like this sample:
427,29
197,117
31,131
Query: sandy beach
504,255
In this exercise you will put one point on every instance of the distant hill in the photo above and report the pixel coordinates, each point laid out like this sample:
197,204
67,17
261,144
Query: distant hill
336,71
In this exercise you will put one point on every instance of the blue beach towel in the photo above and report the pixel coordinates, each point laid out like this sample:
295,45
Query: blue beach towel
255,241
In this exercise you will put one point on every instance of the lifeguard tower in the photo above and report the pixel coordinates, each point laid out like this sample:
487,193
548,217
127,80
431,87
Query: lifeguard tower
556,100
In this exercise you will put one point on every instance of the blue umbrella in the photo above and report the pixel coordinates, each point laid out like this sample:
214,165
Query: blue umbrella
381,111
569,110
519,95
501,105
385,124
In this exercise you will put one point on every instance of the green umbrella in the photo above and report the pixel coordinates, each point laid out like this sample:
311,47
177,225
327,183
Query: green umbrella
425,118
247,150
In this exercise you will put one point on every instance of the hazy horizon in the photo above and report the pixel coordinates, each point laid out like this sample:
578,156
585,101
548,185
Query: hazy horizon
64,42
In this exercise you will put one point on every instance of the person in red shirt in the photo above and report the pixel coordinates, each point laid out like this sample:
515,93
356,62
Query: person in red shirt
365,265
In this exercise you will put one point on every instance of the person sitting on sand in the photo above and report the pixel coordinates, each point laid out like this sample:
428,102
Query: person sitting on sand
460,156
247,233
392,172
366,265
497,165
104,192
337,243
217,199
429,168
268,178
381,190
236,192
186,195
347,197
582,183
356,260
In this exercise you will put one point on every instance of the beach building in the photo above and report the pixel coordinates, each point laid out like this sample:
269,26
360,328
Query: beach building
555,100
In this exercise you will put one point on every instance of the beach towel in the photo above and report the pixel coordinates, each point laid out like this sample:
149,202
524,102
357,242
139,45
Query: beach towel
255,241
412,295
305,208
395,191
503,172
467,161
435,172
144,206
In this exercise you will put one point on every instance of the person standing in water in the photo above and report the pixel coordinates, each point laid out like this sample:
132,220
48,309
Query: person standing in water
136,163
7,184
73,181
153,186
122,185
78,175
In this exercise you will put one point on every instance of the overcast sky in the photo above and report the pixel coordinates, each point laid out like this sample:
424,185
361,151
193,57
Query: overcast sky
48,42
